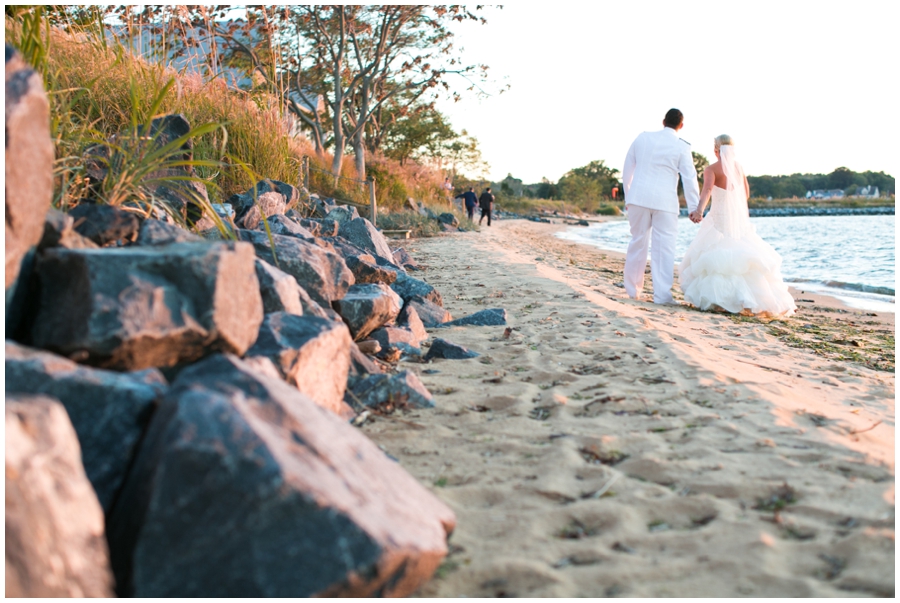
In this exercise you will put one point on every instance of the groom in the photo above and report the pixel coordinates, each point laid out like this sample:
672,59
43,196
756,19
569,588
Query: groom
650,182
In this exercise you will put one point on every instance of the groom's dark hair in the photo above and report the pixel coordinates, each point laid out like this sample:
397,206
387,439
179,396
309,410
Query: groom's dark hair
673,118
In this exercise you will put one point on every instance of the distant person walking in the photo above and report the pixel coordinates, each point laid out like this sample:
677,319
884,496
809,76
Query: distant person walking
448,187
486,202
470,200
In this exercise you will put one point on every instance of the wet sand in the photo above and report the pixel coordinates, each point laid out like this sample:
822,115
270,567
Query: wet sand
603,446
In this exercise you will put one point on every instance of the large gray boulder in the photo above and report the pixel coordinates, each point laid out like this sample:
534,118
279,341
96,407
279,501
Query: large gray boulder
313,355
242,202
246,488
441,348
104,224
108,410
409,319
491,317
431,314
364,266
178,188
366,307
55,545
29,161
342,214
138,307
157,232
279,290
59,231
409,288
364,235
266,205
282,225
322,273
390,392
396,341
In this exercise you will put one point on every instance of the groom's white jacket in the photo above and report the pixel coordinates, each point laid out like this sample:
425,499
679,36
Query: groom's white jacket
650,177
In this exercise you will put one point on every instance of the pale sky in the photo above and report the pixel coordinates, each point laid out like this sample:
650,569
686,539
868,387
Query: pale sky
801,86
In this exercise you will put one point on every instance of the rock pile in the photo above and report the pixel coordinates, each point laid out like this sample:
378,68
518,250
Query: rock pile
194,392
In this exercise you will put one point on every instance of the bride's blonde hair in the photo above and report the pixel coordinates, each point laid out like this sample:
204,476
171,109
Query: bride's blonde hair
723,139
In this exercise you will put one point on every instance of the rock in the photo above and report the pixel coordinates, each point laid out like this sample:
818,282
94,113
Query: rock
366,270
268,204
279,290
395,341
448,219
402,258
403,390
360,364
364,235
311,308
109,410
104,224
491,317
59,232
431,314
365,266
293,501
157,232
139,307
408,288
582,223
366,307
260,365
313,354
29,161
441,348
409,319
180,197
329,228
283,196
368,346
320,272
282,225
55,545
342,214
449,228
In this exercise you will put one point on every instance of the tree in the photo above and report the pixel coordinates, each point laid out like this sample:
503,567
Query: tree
358,58
365,56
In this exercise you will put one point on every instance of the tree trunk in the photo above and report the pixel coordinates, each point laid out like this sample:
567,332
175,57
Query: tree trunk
359,148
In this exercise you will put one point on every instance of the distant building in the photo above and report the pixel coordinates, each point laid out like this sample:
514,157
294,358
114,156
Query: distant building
823,194
870,191
195,58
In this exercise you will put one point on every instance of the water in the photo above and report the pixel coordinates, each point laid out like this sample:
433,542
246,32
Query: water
848,257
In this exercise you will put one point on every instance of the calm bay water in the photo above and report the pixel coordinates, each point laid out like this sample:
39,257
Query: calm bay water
849,257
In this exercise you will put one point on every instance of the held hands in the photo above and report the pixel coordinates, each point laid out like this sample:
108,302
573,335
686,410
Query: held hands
696,216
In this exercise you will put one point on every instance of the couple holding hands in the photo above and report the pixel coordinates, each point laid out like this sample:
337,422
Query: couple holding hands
727,267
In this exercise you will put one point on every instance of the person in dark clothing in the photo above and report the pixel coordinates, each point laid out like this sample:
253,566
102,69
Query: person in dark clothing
486,201
471,201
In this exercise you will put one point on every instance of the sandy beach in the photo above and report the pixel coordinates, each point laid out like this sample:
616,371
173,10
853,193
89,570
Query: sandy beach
601,446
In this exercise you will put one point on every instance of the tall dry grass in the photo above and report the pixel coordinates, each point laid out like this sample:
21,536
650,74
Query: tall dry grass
96,86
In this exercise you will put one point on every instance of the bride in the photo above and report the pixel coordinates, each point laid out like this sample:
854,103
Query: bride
728,266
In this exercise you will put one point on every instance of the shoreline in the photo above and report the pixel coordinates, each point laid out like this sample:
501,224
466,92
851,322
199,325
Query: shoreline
602,446
812,290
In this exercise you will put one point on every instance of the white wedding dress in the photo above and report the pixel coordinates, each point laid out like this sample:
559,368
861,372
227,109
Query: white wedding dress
728,266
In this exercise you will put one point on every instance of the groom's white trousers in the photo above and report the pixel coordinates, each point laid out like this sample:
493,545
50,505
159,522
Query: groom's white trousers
662,227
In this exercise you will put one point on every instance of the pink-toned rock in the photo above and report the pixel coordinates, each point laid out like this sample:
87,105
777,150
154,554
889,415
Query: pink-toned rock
138,307
55,544
368,306
313,355
29,161
293,501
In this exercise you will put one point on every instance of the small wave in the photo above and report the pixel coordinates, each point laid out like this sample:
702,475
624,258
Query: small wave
848,286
